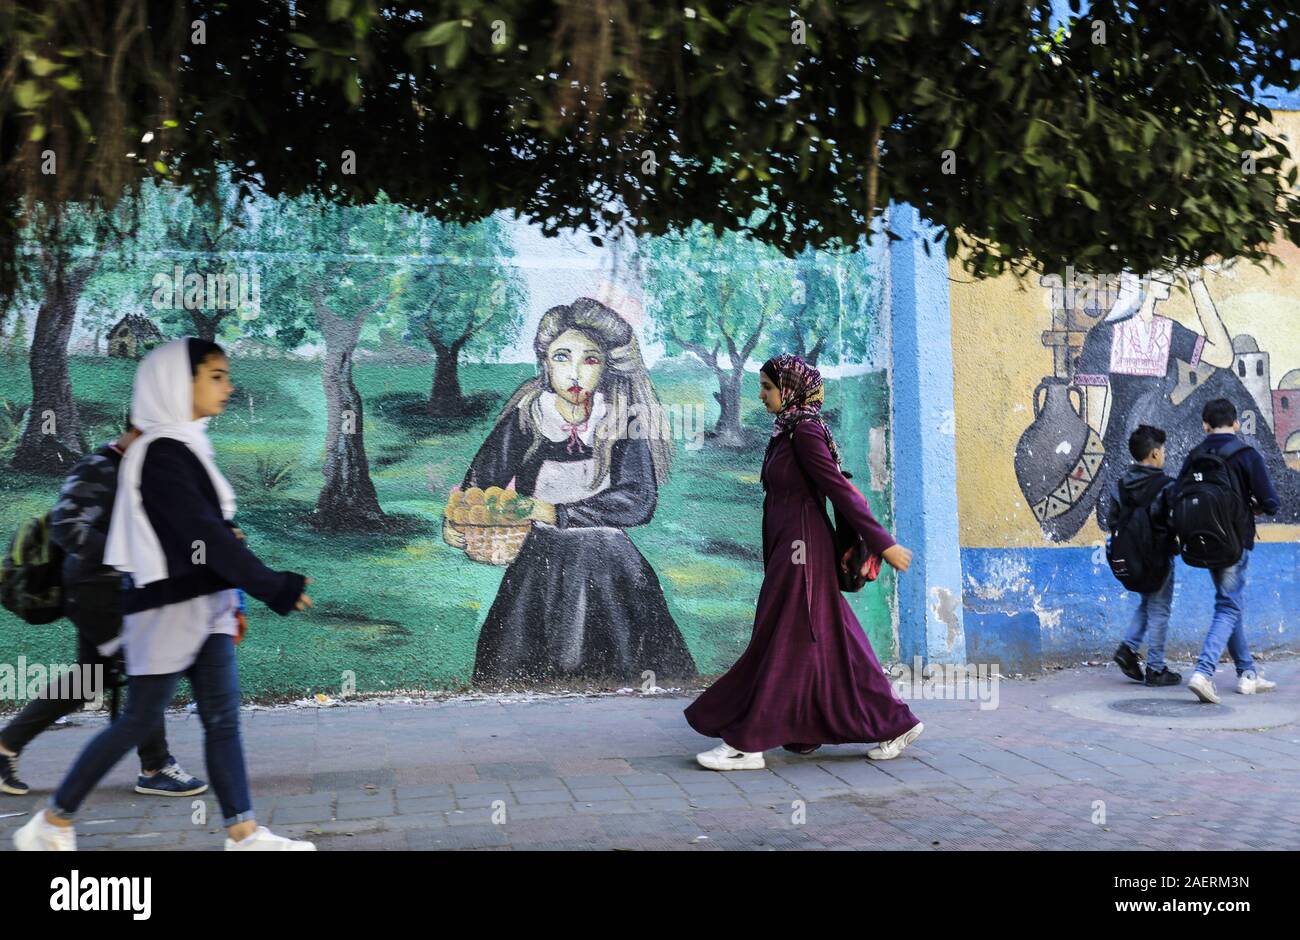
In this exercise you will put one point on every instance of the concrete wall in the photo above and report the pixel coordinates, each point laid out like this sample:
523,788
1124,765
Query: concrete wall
397,607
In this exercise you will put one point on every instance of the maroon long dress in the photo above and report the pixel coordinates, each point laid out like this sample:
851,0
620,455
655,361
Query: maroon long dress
808,676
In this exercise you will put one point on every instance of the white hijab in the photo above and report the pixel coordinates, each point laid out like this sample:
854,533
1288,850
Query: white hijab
162,405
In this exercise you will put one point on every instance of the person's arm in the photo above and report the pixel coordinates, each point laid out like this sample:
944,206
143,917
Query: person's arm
1217,346
1261,485
497,460
1161,519
1110,506
815,457
87,494
1092,375
630,498
184,518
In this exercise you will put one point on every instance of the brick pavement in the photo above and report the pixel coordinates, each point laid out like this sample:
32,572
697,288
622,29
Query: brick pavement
617,772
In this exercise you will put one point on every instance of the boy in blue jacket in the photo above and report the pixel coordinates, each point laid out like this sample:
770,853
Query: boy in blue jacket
1250,476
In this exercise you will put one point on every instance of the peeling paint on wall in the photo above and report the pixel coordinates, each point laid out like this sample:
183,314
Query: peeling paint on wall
945,609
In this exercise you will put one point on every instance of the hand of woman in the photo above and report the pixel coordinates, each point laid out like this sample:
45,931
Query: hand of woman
898,557
453,537
304,601
543,511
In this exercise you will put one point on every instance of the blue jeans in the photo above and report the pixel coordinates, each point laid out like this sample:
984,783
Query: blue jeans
214,677
1152,621
1227,629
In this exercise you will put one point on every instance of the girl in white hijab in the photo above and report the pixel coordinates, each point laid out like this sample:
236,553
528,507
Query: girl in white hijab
172,536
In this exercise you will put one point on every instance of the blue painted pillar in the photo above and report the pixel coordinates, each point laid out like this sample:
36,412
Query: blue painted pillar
923,426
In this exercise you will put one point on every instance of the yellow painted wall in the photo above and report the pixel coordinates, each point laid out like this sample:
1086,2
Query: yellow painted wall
999,357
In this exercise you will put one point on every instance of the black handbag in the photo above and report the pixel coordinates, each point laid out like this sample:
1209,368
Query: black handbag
851,551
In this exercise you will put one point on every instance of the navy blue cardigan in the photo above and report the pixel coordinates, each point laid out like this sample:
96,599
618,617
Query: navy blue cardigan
182,506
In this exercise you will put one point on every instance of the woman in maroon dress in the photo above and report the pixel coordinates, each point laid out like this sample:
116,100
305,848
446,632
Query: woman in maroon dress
808,677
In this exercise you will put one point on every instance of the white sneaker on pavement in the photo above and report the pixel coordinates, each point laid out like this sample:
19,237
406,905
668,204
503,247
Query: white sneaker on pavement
41,835
1203,688
1250,682
891,749
726,757
264,840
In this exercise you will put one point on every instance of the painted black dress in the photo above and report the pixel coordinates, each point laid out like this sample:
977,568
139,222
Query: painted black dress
579,601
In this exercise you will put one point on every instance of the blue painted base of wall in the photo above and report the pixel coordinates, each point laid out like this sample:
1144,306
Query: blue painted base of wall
1026,608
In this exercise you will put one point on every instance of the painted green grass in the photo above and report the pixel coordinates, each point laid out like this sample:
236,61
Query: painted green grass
401,609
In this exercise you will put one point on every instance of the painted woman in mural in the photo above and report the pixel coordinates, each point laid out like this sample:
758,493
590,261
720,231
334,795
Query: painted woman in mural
579,600
1138,367
1128,367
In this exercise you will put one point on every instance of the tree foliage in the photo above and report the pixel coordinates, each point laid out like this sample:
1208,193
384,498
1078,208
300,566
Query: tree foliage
1128,137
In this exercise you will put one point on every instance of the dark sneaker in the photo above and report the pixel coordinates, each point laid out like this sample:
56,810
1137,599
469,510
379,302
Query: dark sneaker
1164,676
170,781
1129,664
9,780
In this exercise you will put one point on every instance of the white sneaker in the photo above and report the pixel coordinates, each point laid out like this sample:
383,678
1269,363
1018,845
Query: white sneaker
1249,683
726,757
264,840
891,749
1203,688
41,835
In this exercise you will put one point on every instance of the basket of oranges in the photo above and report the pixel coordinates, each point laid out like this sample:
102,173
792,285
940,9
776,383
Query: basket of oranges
494,522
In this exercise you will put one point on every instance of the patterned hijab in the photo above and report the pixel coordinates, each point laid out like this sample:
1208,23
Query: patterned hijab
802,395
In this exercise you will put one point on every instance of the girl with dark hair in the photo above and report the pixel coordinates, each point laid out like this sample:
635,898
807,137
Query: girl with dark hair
171,533
808,677
579,600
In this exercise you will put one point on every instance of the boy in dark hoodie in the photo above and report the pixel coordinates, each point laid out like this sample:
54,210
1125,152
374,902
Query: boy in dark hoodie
1145,485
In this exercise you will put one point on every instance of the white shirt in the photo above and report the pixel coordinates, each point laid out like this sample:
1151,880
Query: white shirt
568,481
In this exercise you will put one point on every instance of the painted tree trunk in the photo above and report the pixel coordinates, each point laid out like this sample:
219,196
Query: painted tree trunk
52,438
727,431
205,327
446,400
348,499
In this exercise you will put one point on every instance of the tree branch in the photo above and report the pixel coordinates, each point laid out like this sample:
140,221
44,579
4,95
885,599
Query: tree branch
700,351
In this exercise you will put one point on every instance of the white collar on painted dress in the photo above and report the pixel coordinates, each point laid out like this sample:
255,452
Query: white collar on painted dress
552,422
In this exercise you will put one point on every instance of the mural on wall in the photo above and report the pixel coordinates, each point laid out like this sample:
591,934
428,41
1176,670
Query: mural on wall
393,372
1119,362
586,441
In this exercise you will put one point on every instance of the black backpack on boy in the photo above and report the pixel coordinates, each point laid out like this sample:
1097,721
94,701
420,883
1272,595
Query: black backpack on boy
1210,511
1138,549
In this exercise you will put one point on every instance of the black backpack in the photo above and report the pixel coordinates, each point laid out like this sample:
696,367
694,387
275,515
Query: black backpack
31,579
1138,549
1210,513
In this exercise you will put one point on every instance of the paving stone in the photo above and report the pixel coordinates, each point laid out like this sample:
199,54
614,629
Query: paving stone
616,772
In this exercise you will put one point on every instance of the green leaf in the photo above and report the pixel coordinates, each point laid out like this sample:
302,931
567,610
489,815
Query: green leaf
27,95
1035,132
160,167
456,49
38,131
69,82
880,108
1089,200
438,35
42,66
